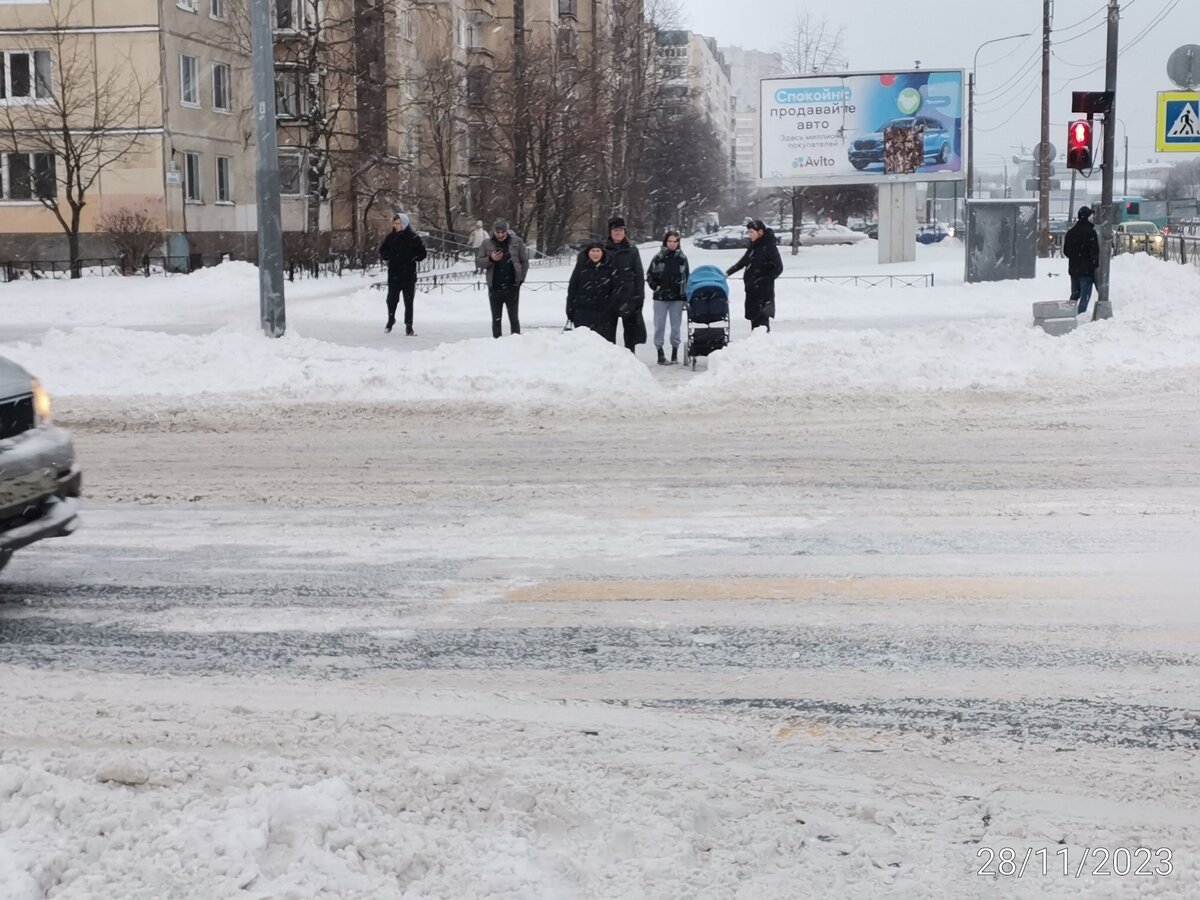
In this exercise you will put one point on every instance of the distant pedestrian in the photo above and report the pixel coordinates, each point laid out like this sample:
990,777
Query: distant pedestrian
667,277
591,301
504,258
478,235
630,278
402,249
1081,247
763,265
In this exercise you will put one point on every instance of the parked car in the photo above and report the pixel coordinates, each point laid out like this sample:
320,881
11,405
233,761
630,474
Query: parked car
932,233
870,229
825,234
729,237
39,477
1138,237
867,149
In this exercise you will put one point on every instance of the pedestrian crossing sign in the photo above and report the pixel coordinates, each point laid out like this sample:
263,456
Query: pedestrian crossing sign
1178,122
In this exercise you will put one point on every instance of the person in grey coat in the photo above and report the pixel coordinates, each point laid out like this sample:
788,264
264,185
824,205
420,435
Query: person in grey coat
505,260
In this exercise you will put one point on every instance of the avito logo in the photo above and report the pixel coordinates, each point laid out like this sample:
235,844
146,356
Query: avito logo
810,162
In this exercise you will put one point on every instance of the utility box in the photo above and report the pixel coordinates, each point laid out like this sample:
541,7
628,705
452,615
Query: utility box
1001,240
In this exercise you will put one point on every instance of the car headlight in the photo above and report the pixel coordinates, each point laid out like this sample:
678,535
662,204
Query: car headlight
41,403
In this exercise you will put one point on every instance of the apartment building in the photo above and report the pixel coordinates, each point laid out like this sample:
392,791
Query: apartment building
746,69
170,85
693,74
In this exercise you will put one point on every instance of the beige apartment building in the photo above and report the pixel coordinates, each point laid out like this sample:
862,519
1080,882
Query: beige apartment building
169,79
693,73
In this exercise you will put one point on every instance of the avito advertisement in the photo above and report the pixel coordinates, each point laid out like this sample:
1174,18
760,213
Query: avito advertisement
872,127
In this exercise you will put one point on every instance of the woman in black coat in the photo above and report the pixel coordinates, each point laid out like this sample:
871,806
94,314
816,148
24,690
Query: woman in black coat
591,293
763,265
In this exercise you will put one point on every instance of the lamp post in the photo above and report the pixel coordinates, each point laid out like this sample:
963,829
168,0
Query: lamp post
971,107
1125,131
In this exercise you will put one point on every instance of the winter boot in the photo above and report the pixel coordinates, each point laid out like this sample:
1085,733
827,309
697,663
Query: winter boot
662,357
674,355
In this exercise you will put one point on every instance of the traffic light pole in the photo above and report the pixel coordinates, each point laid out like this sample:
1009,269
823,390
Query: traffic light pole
1107,216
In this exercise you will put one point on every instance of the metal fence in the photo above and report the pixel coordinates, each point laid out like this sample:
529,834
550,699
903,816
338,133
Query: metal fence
458,282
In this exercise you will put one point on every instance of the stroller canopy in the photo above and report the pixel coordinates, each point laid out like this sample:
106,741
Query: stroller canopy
707,277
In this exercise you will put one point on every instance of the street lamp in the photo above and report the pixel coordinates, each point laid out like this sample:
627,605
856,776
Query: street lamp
971,107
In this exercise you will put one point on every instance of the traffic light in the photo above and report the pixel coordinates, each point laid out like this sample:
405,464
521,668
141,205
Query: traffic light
1079,144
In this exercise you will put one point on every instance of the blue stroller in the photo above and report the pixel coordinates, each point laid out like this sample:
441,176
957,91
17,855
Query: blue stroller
707,310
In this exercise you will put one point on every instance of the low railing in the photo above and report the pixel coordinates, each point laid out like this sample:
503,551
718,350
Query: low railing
470,281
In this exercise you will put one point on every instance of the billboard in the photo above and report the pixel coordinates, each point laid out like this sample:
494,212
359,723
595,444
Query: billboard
861,128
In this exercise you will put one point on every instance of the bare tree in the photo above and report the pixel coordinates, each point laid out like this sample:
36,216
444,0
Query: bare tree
85,114
813,45
135,233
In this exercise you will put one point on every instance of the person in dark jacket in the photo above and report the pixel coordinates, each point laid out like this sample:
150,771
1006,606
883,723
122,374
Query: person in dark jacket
402,249
667,277
1081,247
763,265
630,283
505,259
591,302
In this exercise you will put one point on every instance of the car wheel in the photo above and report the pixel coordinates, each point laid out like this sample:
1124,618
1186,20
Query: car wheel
859,164
943,156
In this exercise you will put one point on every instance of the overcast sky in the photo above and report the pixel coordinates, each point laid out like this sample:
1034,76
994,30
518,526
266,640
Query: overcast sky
891,34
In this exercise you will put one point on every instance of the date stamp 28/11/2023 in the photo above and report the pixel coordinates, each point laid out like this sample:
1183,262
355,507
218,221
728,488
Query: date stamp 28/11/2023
1075,862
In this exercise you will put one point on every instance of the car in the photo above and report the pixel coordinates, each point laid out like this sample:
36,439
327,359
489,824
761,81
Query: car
867,150
730,237
828,233
39,475
932,233
870,229
1138,237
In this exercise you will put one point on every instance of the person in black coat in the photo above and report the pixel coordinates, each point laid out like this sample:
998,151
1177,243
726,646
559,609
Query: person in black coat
763,265
667,277
591,301
402,249
1081,247
630,283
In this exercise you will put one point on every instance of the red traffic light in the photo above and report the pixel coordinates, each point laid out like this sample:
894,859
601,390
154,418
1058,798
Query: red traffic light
1079,145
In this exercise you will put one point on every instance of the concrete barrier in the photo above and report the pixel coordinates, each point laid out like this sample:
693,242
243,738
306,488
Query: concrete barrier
1055,317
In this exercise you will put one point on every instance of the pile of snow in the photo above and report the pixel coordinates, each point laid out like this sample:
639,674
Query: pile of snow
195,339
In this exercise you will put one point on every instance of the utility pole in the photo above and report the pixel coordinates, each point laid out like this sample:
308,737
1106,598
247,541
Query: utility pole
1044,146
266,171
1125,191
1103,307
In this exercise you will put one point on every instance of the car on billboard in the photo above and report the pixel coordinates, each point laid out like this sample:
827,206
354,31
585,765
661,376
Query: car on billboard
867,150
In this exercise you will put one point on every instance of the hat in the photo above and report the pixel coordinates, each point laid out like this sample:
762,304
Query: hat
500,225
402,219
1085,212
616,222
593,245
479,223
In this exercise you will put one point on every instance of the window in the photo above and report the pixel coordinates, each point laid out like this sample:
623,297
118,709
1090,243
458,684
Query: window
27,176
567,42
477,87
473,38
224,179
25,75
568,8
407,22
460,32
216,9
288,98
220,84
191,177
286,15
189,83
189,5
290,175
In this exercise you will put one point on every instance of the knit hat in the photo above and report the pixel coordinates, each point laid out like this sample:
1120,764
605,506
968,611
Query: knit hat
616,222
593,245
500,225
1085,212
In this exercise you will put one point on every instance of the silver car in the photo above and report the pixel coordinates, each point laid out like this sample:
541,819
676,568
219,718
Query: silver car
39,477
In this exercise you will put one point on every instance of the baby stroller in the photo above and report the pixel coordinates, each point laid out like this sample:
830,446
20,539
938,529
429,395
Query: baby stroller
707,313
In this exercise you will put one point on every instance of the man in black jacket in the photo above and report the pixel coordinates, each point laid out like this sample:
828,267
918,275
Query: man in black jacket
402,249
504,259
629,283
1081,247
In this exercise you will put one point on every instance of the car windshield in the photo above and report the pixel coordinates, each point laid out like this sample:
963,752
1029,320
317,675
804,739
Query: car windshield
898,123
1142,228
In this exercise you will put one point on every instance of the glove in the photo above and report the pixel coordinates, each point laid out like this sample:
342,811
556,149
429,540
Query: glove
728,272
